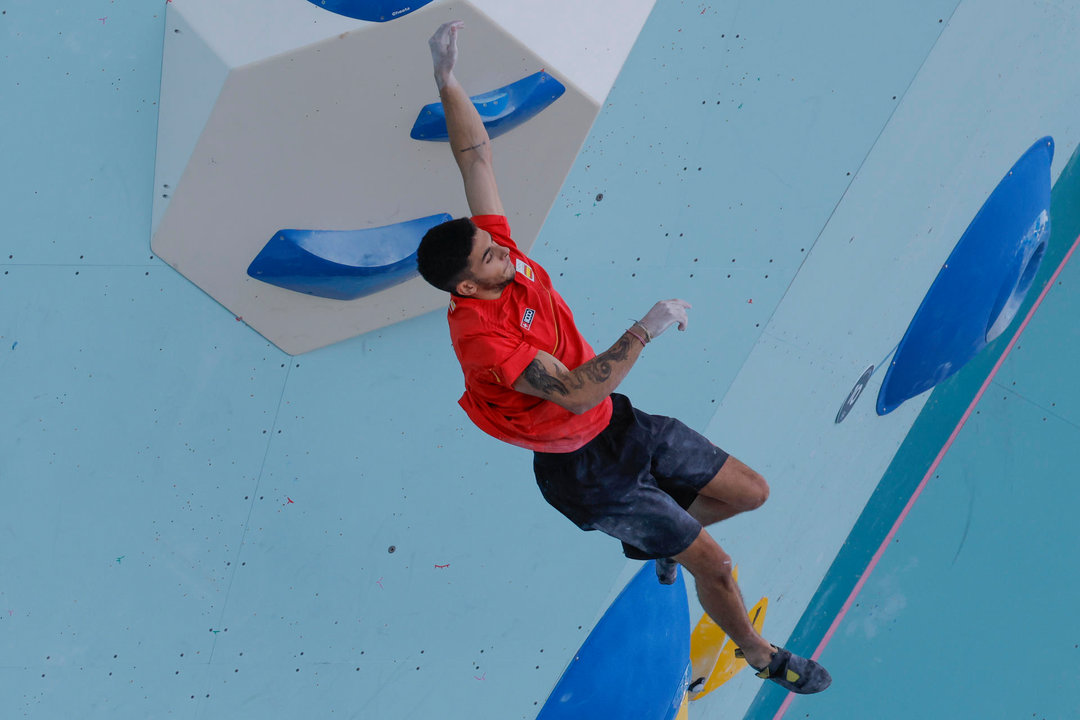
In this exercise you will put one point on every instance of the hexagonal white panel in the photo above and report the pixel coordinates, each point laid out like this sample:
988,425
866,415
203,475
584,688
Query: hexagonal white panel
279,114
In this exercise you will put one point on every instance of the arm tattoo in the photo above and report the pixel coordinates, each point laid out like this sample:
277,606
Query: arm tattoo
537,376
474,147
597,371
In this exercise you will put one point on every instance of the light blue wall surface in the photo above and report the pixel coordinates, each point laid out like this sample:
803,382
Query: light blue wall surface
153,564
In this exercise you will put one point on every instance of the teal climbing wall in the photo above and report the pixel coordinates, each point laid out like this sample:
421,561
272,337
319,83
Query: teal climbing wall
197,525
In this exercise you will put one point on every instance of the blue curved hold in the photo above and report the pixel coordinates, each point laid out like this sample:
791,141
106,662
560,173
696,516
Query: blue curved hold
501,110
371,10
636,661
343,264
978,292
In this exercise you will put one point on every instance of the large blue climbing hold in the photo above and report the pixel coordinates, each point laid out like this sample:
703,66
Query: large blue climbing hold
501,110
371,10
982,285
343,264
636,661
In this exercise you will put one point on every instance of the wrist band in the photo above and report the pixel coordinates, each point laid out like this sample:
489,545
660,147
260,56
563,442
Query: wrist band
648,335
639,338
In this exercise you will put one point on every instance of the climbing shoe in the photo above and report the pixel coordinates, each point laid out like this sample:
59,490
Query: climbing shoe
666,571
797,674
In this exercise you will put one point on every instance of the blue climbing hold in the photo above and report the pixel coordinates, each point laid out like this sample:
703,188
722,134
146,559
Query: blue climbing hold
343,264
982,285
636,661
501,110
371,10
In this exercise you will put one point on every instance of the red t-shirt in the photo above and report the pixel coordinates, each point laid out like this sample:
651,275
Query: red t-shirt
495,340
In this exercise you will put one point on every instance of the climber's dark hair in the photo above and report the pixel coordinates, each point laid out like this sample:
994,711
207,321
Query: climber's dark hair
443,255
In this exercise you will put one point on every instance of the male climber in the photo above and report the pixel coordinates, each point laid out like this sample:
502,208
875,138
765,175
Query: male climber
533,381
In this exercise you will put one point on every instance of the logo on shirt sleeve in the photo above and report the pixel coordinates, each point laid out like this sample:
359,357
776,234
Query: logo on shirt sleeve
527,318
524,269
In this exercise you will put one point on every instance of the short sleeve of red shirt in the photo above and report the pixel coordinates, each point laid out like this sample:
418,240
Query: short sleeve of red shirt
497,359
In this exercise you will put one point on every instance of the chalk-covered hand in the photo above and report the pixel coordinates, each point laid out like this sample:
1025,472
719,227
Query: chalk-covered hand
443,46
663,315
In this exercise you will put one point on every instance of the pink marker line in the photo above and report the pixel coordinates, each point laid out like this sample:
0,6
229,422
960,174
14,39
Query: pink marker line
926,478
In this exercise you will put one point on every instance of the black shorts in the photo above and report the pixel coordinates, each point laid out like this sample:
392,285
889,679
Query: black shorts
633,481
